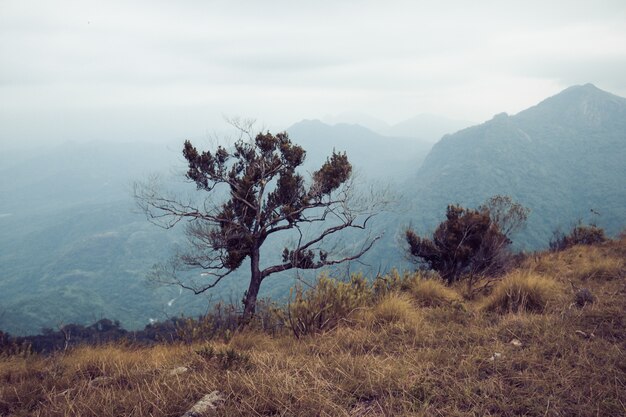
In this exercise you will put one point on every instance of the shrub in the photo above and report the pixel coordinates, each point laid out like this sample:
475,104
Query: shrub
226,358
393,282
326,303
222,321
470,241
580,235
520,292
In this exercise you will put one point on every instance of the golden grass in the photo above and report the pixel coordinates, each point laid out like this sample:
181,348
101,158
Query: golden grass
432,293
522,291
584,262
395,308
392,357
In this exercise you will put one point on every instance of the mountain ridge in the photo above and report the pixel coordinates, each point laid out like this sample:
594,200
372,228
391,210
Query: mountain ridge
568,149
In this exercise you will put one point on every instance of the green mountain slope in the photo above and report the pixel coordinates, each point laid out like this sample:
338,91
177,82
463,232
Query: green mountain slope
561,158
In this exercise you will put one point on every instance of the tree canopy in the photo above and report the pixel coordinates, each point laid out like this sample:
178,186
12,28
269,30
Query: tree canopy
254,191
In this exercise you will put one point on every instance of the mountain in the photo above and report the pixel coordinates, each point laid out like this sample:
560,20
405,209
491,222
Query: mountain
371,154
562,158
428,128
355,118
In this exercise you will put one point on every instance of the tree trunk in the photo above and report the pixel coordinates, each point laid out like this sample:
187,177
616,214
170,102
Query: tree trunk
249,302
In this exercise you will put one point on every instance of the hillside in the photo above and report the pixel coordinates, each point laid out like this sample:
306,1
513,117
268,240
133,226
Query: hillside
561,158
406,345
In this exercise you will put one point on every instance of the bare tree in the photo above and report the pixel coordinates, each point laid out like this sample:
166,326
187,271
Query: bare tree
254,191
505,213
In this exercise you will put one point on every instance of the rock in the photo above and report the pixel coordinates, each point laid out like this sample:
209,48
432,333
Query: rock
178,371
516,342
207,403
101,381
585,335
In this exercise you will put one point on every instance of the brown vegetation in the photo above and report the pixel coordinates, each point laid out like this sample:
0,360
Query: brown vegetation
527,348
470,242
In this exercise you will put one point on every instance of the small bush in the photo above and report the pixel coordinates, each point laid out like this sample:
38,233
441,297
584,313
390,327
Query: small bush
470,241
394,282
580,235
227,358
432,293
222,321
520,292
324,305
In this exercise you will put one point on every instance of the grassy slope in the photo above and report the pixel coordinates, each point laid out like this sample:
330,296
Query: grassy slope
400,355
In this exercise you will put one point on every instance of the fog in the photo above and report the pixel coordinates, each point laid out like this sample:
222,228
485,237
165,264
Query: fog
85,70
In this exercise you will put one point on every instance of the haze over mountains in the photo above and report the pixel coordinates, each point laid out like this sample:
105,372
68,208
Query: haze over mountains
372,154
426,127
73,250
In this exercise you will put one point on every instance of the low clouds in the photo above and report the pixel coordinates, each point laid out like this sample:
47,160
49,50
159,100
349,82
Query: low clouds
187,63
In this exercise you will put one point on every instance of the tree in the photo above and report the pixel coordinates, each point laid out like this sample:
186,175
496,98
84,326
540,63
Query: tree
255,191
470,241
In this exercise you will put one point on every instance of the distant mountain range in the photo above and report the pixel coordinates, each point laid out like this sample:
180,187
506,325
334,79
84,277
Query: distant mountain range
561,158
426,127
371,154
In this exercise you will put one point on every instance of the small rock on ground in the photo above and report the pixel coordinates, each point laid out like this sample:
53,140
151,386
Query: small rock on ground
178,371
207,403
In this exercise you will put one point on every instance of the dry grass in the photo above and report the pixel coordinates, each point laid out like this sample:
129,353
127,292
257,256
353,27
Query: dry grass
396,310
584,262
522,291
392,358
432,293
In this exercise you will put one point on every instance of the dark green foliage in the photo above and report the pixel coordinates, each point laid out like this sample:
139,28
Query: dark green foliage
579,235
470,241
255,191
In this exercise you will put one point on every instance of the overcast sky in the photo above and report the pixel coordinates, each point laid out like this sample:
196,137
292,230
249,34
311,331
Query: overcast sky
155,70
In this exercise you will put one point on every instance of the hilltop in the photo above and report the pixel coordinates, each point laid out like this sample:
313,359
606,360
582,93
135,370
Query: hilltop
546,340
